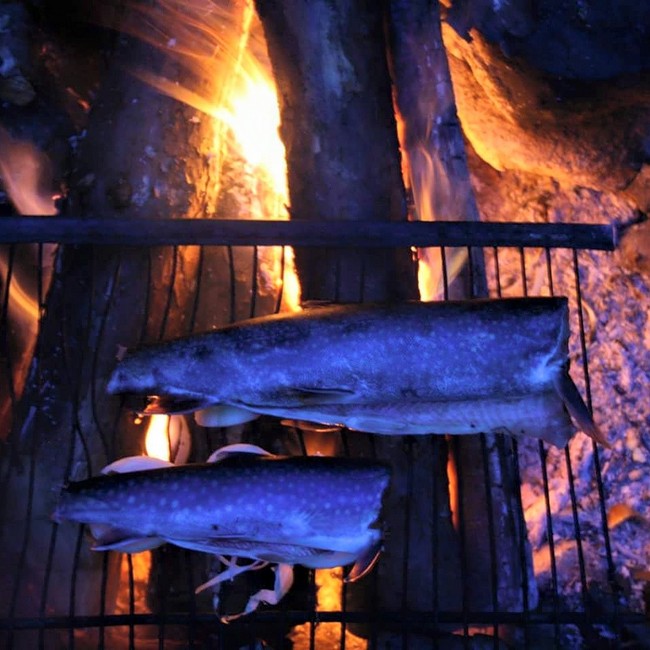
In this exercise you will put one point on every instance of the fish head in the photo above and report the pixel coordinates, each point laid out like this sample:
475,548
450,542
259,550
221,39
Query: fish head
141,372
83,506
161,373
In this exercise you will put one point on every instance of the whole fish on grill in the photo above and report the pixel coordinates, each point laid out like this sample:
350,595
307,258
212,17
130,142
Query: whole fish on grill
319,512
412,368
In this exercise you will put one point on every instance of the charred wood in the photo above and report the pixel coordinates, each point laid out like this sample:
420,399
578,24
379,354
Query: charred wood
339,131
435,151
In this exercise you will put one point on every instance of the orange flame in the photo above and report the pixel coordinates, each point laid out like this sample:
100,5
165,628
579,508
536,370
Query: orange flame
434,198
168,438
26,176
23,307
329,598
25,172
228,78
452,478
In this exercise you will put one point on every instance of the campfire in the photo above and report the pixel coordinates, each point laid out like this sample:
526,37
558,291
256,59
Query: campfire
185,165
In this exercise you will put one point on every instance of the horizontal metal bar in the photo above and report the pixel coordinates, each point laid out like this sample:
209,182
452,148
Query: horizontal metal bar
382,619
336,234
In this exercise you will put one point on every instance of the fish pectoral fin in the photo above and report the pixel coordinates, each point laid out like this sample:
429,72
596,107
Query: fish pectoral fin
135,464
172,405
109,538
223,415
230,544
235,450
311,427
301,396
233,570
578,410
309,395
364,563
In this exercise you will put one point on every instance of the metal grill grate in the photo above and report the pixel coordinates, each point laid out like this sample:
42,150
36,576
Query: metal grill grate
55,598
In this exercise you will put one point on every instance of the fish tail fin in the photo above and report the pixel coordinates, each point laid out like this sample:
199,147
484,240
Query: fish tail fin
578,410
365,562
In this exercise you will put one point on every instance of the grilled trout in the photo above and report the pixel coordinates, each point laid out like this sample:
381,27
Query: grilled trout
413,368
319,512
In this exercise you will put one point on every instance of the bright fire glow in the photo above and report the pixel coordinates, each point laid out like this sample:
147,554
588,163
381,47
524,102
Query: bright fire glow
141,566
329,598
229,79
434,198
168,438
254,117
452,478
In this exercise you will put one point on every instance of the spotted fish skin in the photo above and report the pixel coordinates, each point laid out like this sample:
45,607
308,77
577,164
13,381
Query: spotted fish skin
314,511
363,365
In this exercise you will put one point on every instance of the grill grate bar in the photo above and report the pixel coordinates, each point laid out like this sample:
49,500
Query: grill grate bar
335,234
413,620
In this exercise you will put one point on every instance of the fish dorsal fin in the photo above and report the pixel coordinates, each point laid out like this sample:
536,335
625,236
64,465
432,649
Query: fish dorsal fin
135,464
236,449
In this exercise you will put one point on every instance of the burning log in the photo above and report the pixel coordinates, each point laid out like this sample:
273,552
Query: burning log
338,128
433,140
430,135
339,131
334,86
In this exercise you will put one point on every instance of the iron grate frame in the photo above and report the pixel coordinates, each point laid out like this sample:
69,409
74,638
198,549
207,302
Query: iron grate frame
491,241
